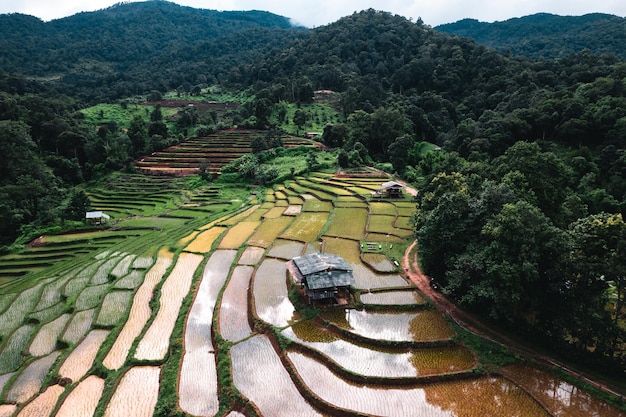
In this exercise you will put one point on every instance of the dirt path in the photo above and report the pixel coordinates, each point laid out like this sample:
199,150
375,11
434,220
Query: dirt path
475,325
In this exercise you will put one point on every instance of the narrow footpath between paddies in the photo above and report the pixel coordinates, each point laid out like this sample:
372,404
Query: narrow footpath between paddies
473,324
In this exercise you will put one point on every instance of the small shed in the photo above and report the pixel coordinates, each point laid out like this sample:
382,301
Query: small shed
324,277
97,217
390,189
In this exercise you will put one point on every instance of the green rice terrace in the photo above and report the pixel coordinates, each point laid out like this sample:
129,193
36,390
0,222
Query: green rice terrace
183,306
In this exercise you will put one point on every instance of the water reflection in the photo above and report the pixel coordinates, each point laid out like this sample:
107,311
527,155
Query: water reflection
559,396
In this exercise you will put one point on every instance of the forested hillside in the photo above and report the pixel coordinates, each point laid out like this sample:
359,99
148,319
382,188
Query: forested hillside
129,48
519,215
546,35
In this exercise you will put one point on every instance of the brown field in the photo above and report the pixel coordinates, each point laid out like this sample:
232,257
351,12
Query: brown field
139,312
44,403
81,359
155,342
83,399
560,397
136,394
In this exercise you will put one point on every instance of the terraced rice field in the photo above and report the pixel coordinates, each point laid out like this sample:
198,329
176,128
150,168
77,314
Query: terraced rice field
184,308
219,149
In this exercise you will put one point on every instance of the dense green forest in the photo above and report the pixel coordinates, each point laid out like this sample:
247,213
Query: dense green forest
519,215
545,35
131,48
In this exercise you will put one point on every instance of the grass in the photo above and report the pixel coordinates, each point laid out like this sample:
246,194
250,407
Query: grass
317,116
491,356
104,113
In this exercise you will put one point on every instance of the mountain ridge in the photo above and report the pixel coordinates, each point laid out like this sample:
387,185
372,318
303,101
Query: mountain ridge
546,35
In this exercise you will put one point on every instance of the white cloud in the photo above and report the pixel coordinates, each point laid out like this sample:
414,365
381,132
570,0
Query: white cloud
321,12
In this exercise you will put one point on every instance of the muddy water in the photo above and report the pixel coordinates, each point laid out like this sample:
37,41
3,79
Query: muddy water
251,256
408,297
477,398
233,316
559,396
198,376
256,364
392,326
379,262
380,362
286,249
81,359
357,359
270,293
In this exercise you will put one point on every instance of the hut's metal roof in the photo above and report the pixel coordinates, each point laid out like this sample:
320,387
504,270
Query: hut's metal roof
390,184
329,279
317,262
324,270
96,215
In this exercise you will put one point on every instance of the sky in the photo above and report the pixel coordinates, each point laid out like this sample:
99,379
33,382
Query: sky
314,13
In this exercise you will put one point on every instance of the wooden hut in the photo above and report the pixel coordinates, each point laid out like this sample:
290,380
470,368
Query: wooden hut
390,189
325,278
97,217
